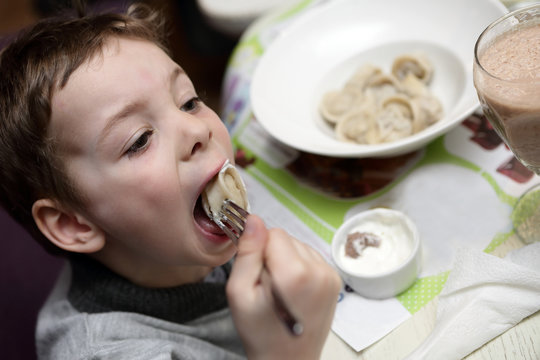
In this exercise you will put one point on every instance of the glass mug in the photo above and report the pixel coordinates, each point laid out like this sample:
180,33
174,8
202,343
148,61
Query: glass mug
506,74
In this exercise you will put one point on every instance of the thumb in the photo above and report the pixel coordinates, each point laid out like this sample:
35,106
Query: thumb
249,260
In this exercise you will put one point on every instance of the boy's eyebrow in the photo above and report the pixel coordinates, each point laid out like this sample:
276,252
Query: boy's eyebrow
114,120
176,73
132,107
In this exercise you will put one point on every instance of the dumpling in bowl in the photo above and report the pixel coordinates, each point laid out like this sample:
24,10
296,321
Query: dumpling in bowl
337,103
382,86
362,77
413,86
416,64
373,107
429,108
429,111
358,126
395,119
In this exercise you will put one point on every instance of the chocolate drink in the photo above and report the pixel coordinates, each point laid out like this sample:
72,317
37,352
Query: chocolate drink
508,85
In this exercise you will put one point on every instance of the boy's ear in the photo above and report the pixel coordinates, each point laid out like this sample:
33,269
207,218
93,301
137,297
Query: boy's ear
68,230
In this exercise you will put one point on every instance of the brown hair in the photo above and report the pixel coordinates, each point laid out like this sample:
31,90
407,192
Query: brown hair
32,67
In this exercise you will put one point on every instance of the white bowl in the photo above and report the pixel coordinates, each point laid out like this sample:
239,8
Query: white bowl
397,272
232,17
322,48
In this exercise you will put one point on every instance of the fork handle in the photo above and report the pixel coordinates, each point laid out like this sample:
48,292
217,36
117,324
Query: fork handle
293,325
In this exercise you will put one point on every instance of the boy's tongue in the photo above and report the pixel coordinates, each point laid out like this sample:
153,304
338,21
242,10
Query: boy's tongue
204,221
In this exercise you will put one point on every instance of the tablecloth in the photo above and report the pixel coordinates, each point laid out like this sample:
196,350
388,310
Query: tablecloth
460,190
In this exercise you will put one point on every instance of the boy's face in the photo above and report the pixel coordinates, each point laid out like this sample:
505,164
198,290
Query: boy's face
140,147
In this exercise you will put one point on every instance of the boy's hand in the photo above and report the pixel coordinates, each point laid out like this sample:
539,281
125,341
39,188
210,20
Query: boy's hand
308,285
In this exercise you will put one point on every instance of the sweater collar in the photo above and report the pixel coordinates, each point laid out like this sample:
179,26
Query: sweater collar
96,289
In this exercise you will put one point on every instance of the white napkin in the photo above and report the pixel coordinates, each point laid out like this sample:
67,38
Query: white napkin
483,297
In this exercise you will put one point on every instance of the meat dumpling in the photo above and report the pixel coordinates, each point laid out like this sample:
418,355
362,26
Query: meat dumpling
374,107
395,119
413,86
381,87
416,64
358,126
337,103
429,111
227,184
363,76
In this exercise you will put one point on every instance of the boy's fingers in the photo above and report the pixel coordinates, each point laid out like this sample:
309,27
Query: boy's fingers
285,252
249,260
308,252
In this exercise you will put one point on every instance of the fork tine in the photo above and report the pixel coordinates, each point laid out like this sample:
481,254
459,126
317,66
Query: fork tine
231,204
230,234
227,214
237,228
233,216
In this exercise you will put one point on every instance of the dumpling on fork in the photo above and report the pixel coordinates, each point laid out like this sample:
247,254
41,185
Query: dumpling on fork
227,184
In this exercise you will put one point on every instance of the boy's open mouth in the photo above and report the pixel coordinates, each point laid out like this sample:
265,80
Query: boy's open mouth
204,221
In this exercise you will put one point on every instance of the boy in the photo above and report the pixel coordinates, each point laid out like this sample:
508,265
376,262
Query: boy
105,149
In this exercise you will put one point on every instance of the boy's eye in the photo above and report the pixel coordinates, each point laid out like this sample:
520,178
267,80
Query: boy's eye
191,104
140,144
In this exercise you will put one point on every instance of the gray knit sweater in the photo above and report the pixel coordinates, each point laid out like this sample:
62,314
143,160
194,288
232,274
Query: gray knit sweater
93,313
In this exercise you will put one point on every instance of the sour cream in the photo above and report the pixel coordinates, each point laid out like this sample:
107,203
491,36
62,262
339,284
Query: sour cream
391,261
395,247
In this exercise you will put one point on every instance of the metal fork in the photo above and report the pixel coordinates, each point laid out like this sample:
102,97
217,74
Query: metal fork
232,220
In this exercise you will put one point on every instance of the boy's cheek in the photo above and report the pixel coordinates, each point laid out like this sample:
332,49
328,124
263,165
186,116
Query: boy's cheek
222,136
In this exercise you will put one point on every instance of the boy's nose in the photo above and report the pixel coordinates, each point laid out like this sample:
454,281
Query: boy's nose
195,136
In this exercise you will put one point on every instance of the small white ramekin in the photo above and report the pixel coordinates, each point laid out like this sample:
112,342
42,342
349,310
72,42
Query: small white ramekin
392,281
